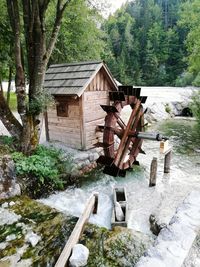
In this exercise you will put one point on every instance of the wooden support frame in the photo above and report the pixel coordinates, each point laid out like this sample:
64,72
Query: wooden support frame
90,207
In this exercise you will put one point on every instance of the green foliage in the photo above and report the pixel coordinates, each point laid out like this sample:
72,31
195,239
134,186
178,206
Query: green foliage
184,79
6,140
195,106
167,108
146,44
45,168
196,81
7,145
40,103
6,45
80,37
52,227
190,22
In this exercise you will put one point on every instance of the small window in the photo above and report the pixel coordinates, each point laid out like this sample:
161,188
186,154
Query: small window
62,109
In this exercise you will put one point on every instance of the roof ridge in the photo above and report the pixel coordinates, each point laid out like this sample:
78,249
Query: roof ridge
76,64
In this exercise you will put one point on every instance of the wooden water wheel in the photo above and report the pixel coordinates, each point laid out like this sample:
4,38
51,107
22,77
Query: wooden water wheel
121,143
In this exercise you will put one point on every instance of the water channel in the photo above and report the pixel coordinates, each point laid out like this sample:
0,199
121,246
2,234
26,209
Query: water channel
160,200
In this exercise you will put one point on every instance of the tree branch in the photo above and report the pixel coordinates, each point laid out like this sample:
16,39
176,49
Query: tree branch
59,15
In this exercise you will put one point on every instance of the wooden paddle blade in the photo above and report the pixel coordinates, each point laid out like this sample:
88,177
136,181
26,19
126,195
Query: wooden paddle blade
114,171
109,109
117,96
142,151
104,160
143,99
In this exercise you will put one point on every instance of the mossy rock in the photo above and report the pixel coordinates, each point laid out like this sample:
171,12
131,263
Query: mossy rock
51,226
118,248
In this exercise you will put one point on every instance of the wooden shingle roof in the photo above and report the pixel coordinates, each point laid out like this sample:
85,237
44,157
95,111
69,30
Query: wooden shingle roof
73,78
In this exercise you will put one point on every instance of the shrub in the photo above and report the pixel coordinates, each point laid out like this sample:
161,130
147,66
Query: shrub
44,171
6,140
195,106
167,108
184,79
196,81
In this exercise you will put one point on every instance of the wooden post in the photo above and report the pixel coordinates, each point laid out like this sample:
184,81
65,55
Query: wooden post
46,126
90,207
167,162
96,195
153,172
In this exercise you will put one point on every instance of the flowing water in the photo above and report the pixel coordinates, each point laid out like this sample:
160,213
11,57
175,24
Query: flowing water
160,200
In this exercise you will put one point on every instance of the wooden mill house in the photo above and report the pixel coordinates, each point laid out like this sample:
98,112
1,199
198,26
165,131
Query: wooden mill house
79,89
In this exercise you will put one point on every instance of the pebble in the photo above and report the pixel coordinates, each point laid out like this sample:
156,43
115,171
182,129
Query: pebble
12,203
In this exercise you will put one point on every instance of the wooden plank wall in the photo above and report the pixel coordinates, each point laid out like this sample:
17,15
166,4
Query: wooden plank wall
99,83
66,129
95,95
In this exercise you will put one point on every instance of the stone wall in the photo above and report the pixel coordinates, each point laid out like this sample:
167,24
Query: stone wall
82,161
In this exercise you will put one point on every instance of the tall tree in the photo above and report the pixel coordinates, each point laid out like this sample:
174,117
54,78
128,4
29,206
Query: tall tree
27,20
79,29
157,49
190,21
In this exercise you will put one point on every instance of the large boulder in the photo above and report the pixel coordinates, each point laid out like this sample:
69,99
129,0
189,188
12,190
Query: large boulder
8,184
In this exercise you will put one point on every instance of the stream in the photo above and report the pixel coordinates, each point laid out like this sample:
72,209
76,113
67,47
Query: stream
143,201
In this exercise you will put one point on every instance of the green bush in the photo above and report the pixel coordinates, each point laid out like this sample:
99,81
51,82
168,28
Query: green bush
7,140
196,81
44,171
184,79
195,106
167,108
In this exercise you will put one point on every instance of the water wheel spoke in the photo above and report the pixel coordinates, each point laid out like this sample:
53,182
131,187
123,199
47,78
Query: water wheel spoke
123,147
130,138
120,122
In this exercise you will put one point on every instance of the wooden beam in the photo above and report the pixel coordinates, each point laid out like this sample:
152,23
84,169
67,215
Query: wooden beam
90,207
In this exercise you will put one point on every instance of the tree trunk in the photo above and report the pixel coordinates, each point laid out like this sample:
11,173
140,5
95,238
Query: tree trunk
9,85
38,53
10,122
30,136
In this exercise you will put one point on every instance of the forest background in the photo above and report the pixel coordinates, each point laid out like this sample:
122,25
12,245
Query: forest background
145,42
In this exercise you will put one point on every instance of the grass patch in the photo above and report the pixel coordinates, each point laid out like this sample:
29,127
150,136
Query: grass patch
13,100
